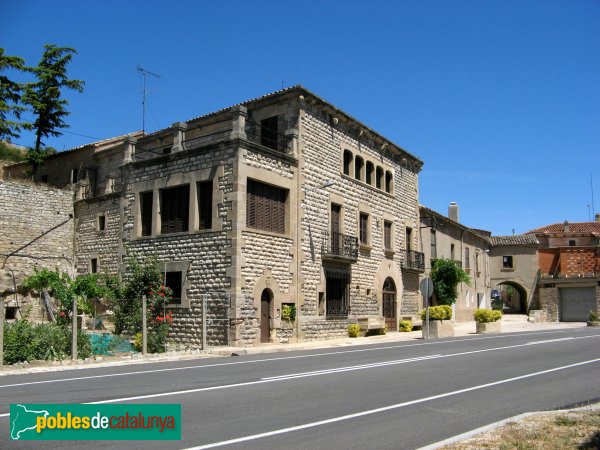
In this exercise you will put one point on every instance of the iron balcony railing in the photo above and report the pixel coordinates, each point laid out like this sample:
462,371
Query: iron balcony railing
337,311
339,245
414,260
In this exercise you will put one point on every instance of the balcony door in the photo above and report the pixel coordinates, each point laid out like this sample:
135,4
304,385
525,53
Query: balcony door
336,239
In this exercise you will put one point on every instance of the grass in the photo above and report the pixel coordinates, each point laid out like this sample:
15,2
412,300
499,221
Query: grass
577,429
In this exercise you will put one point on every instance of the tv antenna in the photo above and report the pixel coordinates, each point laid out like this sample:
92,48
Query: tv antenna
145,73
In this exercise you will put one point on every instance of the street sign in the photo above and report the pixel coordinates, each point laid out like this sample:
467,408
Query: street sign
426,287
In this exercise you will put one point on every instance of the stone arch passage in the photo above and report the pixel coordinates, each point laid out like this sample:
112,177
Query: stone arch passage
513,296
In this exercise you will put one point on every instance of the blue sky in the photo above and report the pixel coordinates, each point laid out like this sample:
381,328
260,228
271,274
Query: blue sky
500,99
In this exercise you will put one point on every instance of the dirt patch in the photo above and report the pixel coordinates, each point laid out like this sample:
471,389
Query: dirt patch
558,430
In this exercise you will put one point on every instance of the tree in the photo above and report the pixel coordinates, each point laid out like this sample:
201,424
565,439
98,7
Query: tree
10,98
44,96
446,274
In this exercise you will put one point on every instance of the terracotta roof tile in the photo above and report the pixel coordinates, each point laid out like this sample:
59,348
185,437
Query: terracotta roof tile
519,240
574,227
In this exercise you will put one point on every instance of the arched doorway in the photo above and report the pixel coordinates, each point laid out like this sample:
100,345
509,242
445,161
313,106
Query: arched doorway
512,296
389,304
265,315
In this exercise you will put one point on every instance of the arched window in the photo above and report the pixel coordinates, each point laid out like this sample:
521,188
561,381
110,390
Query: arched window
379,178
347,162
359,163
388,181
369,173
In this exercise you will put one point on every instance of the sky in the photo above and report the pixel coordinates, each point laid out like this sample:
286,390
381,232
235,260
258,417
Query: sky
499,98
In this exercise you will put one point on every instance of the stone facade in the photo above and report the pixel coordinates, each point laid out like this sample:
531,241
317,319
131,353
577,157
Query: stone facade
37,231
272,174
443,237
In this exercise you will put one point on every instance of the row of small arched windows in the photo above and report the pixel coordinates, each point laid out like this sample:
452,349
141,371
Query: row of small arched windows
354,166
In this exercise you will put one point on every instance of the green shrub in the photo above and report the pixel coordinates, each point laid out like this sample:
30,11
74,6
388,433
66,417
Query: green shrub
157,338
288,311
377,331
26,342
593,317
353,330
497,304
440,312
487,315
405,326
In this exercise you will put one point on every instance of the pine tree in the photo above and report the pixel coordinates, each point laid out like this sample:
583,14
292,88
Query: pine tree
44,97
10,98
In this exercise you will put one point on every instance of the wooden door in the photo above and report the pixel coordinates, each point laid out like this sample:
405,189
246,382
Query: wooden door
389,305
265,316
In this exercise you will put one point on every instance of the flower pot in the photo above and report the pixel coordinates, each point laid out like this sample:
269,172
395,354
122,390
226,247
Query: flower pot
438,329
489,327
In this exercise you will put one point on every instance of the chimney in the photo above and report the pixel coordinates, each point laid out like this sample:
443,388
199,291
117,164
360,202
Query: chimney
566,227
453,211
597,218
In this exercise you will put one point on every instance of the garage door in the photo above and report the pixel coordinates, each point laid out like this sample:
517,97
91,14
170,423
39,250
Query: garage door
575,303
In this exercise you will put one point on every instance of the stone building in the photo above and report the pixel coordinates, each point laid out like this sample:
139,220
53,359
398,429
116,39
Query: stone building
445,237
569,265
282,203
514,263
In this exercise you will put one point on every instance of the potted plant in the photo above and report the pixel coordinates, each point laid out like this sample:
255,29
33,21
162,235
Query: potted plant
439,322
593,319
487,320
288,315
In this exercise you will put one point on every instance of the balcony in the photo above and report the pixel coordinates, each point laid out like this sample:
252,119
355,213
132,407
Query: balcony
338,246
414,260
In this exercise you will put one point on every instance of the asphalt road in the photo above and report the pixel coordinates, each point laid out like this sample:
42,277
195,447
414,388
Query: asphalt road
391,396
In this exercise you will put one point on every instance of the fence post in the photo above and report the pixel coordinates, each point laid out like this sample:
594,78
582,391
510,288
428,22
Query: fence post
204,308
144,327
74,330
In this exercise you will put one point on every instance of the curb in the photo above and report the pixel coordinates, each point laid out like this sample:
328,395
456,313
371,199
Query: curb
492,426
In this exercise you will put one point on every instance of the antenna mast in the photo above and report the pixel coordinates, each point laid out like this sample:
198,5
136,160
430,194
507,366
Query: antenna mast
144,73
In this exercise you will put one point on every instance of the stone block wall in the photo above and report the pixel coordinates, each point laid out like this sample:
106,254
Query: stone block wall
549,298
91,242
208,252
39,219
321,145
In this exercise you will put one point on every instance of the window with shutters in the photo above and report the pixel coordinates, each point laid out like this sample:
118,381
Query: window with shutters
265,207
387,235
467,259
146,200
205,193
174,209
433,242
364,228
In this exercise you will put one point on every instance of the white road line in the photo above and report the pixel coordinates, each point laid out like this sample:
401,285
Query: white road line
385,408
349,368
292,376
281,358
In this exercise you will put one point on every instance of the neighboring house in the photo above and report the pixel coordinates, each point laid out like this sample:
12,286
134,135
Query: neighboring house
445,237
569,263
514,263
283,200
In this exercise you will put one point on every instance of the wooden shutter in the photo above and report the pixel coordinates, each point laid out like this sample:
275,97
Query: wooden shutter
387,235
175,209
265,207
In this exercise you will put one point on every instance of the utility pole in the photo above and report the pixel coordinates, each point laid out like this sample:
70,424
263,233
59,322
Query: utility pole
144,73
